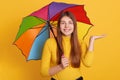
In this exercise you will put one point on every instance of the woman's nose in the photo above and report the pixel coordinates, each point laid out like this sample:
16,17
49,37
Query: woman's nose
66,25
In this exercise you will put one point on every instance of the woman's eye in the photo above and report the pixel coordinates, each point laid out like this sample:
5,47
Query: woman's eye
70,22
62,23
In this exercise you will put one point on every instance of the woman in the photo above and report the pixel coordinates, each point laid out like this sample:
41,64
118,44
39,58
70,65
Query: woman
63,62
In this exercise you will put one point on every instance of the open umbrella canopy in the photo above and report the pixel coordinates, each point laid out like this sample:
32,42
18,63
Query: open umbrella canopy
34,29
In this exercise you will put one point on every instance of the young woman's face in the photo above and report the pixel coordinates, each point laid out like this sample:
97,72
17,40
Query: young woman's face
66,26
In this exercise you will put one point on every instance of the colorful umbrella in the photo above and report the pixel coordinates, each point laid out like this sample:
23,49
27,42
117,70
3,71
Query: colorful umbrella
35,28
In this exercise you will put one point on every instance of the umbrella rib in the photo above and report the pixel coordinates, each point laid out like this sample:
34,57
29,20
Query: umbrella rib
42,20
54,37
65,9
86,32
48,13
42,32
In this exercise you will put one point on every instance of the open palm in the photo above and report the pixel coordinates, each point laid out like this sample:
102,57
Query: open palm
97,37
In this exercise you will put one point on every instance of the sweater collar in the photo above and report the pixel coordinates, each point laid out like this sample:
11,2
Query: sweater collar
66,38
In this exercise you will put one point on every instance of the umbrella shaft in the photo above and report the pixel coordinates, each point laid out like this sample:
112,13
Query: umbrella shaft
54,36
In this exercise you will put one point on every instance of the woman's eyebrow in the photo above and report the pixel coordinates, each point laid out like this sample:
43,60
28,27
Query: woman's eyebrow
62,21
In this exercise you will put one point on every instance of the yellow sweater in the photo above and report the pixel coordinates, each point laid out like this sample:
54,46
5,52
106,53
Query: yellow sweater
49,59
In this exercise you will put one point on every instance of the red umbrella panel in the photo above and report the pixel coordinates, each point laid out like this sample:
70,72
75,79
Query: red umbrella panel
35,30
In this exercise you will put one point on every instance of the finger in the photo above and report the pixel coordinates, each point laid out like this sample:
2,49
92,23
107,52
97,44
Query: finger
103,35
64,59
65,64
100,37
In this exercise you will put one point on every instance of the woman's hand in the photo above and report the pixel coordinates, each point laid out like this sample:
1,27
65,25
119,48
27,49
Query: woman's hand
91,43
97,37
64,61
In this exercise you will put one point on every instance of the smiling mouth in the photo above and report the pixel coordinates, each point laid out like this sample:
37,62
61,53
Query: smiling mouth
66,30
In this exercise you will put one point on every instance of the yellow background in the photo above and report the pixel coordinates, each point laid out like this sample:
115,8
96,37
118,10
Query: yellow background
104,14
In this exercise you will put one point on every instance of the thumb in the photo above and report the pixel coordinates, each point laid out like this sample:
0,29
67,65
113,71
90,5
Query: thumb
62,55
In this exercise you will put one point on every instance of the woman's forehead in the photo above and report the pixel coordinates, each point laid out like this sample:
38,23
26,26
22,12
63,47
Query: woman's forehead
66,18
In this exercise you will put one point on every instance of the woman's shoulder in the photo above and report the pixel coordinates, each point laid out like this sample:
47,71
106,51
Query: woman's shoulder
51,41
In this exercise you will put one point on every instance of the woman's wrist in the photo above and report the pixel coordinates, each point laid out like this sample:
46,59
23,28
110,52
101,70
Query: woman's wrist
61,66
91,44
55,69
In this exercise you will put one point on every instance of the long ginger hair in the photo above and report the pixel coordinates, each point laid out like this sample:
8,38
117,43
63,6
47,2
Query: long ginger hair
75,53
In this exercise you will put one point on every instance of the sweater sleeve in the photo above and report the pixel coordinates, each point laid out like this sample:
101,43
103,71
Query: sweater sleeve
46,57
87,56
